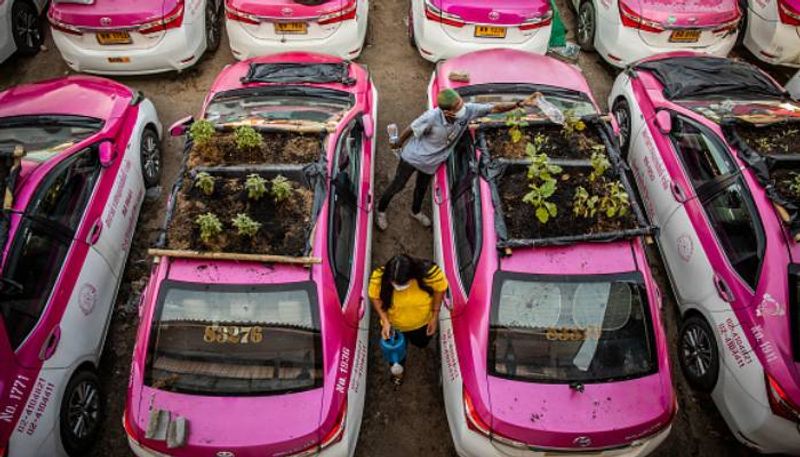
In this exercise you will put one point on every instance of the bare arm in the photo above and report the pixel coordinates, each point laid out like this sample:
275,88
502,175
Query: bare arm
403,138
505,107
436,306
377,305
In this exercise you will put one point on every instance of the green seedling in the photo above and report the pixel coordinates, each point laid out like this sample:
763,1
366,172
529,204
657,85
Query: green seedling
201,132
538,198
281,188
515,121
794,184
204,182
256,186
572,125
583,204
540,167
210,226
245,226
615,202
600,164
247,138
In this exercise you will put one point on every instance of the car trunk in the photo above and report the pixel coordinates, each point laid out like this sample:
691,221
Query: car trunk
493,22
114,24
285,20
683,24
610,414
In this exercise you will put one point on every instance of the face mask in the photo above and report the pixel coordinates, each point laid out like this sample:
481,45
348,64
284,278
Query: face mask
460,114
401,287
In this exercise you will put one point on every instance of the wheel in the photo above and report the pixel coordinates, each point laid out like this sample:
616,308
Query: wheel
411,39
26,28
698,354
81,413
213,25
150,150
587,26
622,112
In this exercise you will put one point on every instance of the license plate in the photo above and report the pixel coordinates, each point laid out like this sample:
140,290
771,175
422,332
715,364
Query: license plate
490,32
293,28
107,38
119,60
684,36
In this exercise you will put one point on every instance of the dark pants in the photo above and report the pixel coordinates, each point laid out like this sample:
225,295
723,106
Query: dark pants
401,177
418,338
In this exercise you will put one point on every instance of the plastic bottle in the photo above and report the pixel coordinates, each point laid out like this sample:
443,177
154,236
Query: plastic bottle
550,110
393,133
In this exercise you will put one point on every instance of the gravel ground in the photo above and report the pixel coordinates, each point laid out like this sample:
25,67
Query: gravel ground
410,421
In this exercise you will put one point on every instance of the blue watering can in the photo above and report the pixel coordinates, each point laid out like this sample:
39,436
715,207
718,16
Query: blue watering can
394,351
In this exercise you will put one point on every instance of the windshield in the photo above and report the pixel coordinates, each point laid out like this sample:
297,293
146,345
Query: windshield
554,329
269,106
46,136
235,340
577,105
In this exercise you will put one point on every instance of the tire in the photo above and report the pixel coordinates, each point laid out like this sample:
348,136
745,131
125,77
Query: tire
587,26
622,112
150,150
698,354
411,38
82,404
26,28
213,25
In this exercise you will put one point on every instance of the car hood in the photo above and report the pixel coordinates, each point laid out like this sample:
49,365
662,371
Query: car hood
554,415
686,13
112,13
286,9
496,12
88,96
245,426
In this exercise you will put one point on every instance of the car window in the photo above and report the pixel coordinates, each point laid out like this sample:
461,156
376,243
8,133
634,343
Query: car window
466,209
735,222
344,208
703,155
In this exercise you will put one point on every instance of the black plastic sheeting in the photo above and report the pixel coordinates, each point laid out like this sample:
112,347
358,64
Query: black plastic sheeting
687,77
314,175
338,72
493,170
762,166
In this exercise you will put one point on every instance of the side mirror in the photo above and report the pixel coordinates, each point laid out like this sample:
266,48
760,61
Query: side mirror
369,126
664,121
107,154
180,127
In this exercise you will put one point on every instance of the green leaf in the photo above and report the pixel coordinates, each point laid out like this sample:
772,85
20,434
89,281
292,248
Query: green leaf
542,215
551,208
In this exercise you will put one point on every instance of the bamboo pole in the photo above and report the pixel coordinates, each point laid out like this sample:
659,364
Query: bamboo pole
264,258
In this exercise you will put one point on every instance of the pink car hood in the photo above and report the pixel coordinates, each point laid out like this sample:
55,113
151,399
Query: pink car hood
508,11
610,414
122,13
88,96
686,13
285,9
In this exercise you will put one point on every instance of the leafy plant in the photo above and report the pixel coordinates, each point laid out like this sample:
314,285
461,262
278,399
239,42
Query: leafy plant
794,183
247,137
600,164
210,226
515,122
245,226
540,167
202,131
538,197
572,124
281,188
764,144
615,202
204,182
256,186
583,204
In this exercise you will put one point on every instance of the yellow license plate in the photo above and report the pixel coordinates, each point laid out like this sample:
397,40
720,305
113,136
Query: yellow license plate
107,38
119,60
294,28
684,36
490,32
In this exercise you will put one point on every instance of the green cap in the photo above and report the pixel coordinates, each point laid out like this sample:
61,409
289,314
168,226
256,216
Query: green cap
447,99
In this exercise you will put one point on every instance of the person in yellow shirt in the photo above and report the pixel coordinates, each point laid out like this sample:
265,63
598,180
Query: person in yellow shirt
407,294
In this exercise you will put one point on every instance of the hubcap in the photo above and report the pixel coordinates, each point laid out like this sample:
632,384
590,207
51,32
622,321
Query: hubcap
26,28
624,124
585,25
696,349
84,410
150,157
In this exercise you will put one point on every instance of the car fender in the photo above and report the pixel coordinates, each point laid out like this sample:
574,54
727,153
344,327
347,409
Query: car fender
36,432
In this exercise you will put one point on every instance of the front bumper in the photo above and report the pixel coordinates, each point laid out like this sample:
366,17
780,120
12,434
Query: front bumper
773,42
177,50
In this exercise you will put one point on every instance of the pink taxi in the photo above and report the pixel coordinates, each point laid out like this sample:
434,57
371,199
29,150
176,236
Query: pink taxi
550,345
292,382
771,30
76,155
717,201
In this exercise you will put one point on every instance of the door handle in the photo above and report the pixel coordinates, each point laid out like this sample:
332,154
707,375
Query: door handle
94,233
362,308
723,290
677,192
368,204
50,344
437,195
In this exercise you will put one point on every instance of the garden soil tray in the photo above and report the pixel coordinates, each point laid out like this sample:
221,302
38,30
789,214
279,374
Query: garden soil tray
278,147
559,144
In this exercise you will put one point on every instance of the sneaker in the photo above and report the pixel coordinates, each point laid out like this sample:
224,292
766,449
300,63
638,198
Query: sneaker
381,221
422,219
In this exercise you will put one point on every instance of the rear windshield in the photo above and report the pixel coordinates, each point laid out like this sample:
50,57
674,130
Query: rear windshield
45,136
555,329
574,103
235,340
269,105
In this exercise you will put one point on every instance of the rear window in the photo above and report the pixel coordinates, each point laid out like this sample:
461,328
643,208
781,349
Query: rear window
570,329
45,136
235,340
269,105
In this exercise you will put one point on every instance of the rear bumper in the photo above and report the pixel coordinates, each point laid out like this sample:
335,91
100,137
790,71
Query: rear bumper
773,42
177,50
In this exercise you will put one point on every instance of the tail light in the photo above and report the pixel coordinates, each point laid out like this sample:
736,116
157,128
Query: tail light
538,21
171,20
779,402
62,27
332,437
631,18
789,16
437,15
240,16
345,14
474,420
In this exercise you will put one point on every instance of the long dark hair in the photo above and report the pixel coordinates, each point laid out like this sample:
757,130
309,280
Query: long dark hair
400,269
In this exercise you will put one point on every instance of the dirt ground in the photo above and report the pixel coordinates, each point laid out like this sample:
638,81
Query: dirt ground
410,421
